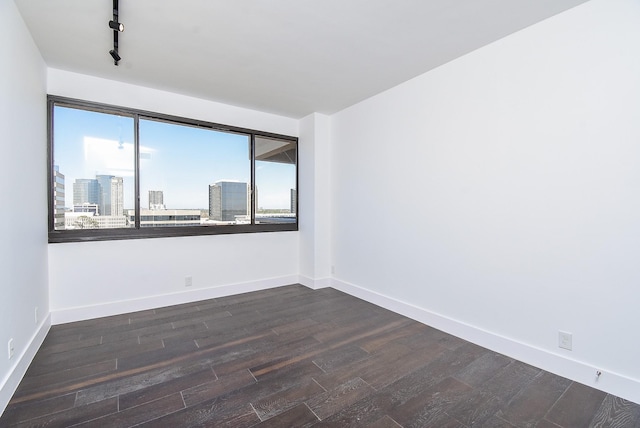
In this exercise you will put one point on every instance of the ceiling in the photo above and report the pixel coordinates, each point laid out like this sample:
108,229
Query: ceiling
289,57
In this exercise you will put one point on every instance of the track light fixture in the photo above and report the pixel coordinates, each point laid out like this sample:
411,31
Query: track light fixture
116,27
115,56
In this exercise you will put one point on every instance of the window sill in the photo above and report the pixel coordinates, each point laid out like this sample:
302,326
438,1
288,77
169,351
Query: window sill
63,236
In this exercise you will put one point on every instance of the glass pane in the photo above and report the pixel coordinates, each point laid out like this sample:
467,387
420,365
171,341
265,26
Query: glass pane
193,176
276,193
93,173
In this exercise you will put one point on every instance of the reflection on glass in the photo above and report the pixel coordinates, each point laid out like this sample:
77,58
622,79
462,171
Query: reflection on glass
192,176
276,193
93,169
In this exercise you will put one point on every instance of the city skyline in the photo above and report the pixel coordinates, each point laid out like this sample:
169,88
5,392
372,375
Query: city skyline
98,204
84,193
181,160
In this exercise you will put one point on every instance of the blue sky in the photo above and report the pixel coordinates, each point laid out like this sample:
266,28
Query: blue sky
179,160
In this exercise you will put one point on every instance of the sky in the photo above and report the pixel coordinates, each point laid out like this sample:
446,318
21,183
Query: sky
179,160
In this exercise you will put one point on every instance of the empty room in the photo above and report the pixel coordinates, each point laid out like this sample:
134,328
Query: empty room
413,213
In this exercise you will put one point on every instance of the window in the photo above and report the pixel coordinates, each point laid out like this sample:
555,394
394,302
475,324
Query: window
118,173
276,195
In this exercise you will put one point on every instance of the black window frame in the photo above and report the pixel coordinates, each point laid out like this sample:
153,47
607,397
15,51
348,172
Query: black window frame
138,232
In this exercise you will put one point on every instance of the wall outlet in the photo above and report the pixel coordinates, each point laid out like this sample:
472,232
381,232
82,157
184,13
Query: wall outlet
598,374
188,281
565,340
10,348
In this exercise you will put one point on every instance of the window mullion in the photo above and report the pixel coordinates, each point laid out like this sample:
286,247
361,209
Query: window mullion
252,154
136,172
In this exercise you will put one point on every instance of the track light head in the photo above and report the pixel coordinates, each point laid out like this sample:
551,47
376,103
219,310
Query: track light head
117,26
114,55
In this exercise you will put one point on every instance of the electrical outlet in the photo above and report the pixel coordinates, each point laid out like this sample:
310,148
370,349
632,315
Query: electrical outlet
10,348
565,340
188,281
598,374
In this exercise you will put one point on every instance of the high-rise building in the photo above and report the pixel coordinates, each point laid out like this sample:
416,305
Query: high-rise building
86,191
117,197
105,193
228,199
215,202
58,198
156,200
294,201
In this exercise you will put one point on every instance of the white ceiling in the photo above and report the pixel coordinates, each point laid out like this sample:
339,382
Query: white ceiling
289,57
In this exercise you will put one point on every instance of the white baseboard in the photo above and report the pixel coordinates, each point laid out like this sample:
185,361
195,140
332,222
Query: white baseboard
578,371
314,284
66,315
610,382
16,373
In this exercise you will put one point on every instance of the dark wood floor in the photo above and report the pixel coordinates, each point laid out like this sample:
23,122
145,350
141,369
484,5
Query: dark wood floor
290,357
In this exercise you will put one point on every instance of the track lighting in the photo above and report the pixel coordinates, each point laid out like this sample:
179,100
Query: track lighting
115,56
114,25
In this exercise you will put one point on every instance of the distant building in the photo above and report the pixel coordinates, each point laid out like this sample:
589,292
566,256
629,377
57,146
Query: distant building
111,195
58,199
215,202
117,197
228,200
294,200
86,191
156,200
87,220
105,193
166,218
87,208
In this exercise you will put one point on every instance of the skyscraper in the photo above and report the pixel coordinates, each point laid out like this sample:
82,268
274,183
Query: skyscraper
86,190
105,193
156,200
117,197
58,198
228,199
294,200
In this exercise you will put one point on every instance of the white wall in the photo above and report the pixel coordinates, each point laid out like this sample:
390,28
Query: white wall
498,195
315,200
23,222
92,279
90,88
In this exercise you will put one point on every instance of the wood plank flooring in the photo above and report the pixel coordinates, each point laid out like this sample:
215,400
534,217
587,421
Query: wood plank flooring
290,357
